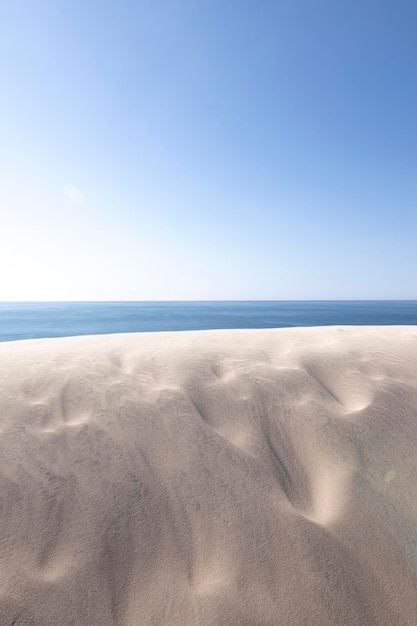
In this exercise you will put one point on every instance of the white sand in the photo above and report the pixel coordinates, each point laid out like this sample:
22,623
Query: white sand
210,478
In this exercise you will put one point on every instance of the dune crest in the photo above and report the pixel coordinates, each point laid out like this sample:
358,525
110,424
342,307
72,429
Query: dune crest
210,478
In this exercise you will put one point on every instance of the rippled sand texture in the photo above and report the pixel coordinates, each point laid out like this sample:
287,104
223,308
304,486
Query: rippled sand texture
210,478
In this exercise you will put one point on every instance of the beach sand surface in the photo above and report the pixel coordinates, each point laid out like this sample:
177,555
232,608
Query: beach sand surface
213,478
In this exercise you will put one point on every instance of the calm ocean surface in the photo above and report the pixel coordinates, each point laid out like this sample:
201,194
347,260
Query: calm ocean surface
27,320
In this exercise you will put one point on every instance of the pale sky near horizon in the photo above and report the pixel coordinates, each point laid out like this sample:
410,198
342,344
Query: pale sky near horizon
208,150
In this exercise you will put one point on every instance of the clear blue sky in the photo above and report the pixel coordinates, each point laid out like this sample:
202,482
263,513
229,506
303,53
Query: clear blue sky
208,150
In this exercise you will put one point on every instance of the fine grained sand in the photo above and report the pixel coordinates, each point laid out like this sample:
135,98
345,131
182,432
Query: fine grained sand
212,478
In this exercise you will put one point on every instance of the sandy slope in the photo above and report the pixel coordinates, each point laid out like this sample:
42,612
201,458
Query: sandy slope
210,478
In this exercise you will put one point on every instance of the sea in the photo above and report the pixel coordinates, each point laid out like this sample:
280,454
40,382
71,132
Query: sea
30,320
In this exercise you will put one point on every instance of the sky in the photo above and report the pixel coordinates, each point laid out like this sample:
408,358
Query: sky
208,150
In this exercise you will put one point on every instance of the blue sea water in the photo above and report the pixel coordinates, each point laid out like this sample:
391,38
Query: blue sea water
27,320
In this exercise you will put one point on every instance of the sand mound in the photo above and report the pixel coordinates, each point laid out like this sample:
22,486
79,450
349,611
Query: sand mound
210,478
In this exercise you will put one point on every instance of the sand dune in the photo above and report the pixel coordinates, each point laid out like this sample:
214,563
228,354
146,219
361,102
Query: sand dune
210,478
